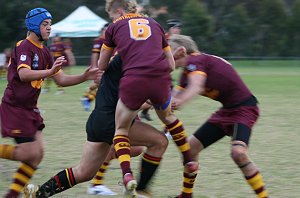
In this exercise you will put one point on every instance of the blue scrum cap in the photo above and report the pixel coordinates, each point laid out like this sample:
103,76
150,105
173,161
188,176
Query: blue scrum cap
35,17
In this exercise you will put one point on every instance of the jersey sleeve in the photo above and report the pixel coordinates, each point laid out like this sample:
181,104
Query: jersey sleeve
23,57
108,42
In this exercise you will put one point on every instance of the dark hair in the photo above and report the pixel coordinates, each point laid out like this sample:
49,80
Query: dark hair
173,23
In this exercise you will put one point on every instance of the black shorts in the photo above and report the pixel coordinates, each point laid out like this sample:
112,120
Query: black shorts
100,126
210,133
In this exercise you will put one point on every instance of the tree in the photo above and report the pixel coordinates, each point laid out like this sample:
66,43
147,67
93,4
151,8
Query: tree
294,30
237,31
197,23
271,28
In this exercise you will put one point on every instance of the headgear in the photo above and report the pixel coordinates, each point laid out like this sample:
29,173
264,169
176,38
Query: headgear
35,17
173,23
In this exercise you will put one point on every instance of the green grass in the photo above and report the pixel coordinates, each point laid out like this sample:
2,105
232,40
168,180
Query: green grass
274,145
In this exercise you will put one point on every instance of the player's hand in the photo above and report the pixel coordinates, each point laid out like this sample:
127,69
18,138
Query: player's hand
92,73
175,104
57,64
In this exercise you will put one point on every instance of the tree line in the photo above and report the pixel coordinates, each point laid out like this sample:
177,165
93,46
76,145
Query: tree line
227,28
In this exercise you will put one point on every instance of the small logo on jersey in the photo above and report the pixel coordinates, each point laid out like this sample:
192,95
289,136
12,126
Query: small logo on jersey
16,131
35,62
23,57
191,67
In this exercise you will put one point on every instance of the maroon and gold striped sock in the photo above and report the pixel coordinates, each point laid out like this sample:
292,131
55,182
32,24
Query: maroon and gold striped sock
122,148
7,151
188,184
20,179
180,138
148,167
257,184
60,182
99,177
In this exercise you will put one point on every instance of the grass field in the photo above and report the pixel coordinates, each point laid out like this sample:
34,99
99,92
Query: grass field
274,145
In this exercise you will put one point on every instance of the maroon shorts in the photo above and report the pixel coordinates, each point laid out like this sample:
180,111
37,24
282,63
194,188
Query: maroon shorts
226,118
19,122
134,91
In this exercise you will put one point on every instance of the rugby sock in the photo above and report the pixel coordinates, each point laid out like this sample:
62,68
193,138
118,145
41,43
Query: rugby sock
98,178
59,183
7,151
148,167
257,184
20,179
180,138
188,184
122,148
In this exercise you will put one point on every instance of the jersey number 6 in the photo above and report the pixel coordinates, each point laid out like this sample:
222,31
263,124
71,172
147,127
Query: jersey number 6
139,29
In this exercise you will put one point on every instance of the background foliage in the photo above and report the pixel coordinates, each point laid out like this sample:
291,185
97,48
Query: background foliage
226,28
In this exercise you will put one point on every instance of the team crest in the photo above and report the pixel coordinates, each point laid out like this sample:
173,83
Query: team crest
35,62
23,57
191,67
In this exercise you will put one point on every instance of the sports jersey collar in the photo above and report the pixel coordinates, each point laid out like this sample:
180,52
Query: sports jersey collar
128,16
35,43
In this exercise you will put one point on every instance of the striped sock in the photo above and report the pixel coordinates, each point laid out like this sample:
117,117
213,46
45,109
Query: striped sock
180,138
149,165
188,184
7,151
99,177
122,148
20,179
59,183
257,184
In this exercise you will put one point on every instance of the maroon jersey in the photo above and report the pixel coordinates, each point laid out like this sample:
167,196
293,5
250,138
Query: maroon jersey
223,84
57,50
141,42
97,45
32,56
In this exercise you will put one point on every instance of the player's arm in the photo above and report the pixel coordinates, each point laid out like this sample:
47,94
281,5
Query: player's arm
70,57
105,55
68,80
196,85
94,59
170,57
27,75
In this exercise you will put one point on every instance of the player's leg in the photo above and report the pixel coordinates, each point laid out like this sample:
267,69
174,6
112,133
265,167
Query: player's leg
94,154
89,96
124,118
156,143
29,151
206,135
97,186
239,154
145,114
179,136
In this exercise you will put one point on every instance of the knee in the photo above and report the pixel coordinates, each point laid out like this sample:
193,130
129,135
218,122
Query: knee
161,143
239,154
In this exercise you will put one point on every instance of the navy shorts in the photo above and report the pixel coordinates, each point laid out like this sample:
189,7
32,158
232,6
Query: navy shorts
100,126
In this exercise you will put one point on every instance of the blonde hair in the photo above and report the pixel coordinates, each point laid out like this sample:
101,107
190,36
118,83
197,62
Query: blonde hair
130,6
178,40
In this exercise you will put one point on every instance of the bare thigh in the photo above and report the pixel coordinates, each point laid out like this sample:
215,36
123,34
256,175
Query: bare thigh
31,152
142,134
124,118
93,155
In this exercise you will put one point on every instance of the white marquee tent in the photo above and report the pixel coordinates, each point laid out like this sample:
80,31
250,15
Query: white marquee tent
82,22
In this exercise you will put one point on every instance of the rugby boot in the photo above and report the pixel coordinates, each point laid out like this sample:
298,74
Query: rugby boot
130,185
